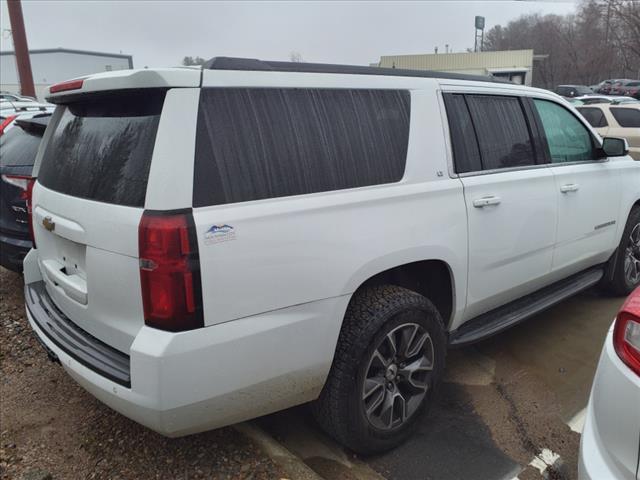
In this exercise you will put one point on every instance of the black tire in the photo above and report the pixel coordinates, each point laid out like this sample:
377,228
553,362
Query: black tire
618,282
372,313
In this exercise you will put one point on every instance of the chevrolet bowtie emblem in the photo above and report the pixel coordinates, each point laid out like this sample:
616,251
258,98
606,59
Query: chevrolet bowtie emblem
49,224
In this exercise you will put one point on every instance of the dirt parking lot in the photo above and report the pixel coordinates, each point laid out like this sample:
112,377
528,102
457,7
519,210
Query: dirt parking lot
51,426
506,410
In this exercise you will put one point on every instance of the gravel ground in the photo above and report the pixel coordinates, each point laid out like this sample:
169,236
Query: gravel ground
50,428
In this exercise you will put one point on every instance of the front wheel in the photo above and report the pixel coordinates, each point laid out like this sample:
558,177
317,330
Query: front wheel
389,359
626,270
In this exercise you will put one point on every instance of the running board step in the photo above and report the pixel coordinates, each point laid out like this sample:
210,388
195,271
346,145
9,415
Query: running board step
495,321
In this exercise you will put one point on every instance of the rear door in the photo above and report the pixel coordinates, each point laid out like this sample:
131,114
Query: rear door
88,200
509,195
587,189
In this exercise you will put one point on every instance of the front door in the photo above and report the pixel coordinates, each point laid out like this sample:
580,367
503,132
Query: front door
587,190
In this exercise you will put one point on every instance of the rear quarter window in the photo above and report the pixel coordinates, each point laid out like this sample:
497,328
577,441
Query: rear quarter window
101,148
626,117
254,144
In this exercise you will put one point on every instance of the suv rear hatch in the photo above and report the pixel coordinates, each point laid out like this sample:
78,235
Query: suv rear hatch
88,201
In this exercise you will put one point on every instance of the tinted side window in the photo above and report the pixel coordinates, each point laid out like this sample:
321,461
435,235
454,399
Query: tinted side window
466,154
568,139
254,144
502,131
626,117
594,116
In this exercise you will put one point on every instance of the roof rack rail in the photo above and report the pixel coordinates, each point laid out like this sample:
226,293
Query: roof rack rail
253,64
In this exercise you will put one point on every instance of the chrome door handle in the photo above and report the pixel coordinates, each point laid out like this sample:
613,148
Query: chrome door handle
570,187
486,201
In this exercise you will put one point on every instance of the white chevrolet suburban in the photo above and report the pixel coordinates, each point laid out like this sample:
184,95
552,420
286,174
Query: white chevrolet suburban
216,244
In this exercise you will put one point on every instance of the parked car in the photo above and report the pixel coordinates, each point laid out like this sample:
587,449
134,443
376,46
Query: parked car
609,443
632,89
617,121
17,153
12,111
14,97
218,244
570,91
607,88
617,100
618,87
602,87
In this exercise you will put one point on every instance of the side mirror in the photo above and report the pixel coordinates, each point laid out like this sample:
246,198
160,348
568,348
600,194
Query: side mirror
615,147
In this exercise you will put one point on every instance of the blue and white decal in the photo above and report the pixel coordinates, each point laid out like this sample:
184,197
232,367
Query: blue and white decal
219,233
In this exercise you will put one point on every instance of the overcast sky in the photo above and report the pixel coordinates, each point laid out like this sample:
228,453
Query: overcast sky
161,33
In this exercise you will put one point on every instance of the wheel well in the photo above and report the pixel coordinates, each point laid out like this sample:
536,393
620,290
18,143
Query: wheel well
431,278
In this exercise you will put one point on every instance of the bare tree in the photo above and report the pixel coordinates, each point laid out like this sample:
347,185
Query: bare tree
626,15
295,56
189,61
599,41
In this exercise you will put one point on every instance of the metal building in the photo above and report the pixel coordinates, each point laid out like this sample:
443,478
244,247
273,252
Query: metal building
514,65
57,64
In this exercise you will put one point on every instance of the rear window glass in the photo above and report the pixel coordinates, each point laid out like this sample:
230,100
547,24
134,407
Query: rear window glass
101,149
18,147
254,144
626,117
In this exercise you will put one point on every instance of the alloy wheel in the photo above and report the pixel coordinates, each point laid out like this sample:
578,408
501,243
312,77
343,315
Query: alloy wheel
632,257
398,376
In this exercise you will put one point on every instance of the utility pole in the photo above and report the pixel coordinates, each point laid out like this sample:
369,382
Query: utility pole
20,47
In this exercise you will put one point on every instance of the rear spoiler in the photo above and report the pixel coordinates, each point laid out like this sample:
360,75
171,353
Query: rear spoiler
67,91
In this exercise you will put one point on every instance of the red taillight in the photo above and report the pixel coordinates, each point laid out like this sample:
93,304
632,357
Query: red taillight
6,122
170,271
24,183
68,85
626,333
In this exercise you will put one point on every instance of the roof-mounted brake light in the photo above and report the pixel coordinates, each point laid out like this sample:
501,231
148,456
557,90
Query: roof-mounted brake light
68,85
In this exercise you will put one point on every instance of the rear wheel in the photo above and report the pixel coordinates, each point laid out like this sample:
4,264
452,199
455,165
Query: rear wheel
389,359
626,270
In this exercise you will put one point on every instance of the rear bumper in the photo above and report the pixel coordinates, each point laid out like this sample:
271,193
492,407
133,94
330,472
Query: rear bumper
609,445
13,251
183,383
74,341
